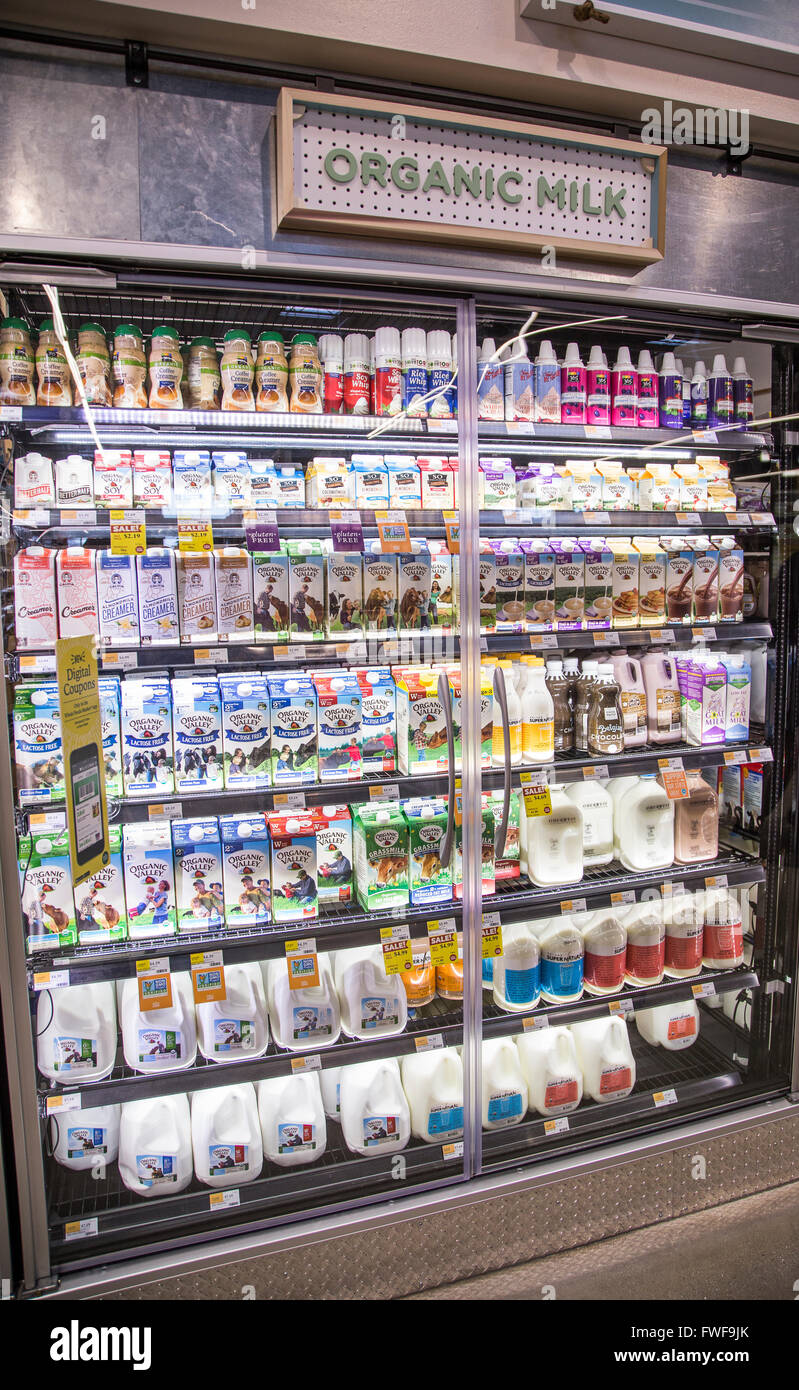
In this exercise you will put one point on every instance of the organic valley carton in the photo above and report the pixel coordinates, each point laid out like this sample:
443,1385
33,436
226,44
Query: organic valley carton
380,853
294,874
345,594
147,746
619,491
234,598
100,910
651,581
414,582
38,755
271,597
421,725
443,612
339,702
196,597
231,479
293,736
488,587
509,587
48,904
306,591
625,582
334,854
598,583
113,478
245,870
149,879
430,880
245,731
197,726
33,483
378,721
158,598
586,486
487,832
198,874
35,610
498,480
569,585
658,489
506,865
152,478
380,592
110,707
118,599
539,585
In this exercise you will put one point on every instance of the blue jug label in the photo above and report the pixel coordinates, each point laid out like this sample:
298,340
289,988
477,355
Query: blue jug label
446,1120
523,986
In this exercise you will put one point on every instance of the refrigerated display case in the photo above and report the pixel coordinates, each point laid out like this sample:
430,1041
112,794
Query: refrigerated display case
489,1052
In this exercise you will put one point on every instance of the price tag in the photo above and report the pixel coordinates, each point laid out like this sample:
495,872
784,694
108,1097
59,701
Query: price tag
296,652
352,651
50,979
155,983
261,535
38,664
394,535
708,633
385,792
605,638
672,890
537,800
443,940
686,518
311,1061
594,518
704,436
664,1097
491,935
120,661
302,963
210,656
734,755
47,820
453,530
442,426
449,1151
534,1022
620,1006
573,905
290,801
598,771
78,1230
557,1126
673,777
661,634
718,881
739,519
346,531
38,517
703,989
762,519
195,535
10,412
517,427
597,432
55,1104
543,639
81,517
760,755
207,977
520,517
229,1197
429,1043
397,950
128,533
626,896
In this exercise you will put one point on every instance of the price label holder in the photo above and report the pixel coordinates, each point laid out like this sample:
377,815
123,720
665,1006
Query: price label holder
82,516
346,532
605,638
733,756
515,427
760,755
686,518
429,1043
155,983
261,535
54,1105
310,1061
397,949
524,516
672,890
626,896
195,534
453,529
597,432
10,412
36,663
120,661
442,426
706,633
597,771
165,810
352,651
79,1230
704,436
662,1098
739,519
386,791
703,989
662,635
450,1151
50,979
672,775
47,820
491,935
218,1201
128,533
620,1006
302,963
573,905
289,801
543,639
534,1022
593,518
442,936
210,656
394,534
762,519
207,977
716,881
296,652
557,1126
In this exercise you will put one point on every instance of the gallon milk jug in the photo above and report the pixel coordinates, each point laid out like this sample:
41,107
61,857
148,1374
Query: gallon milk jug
517,972
672,1026
86,1138
682,916
555,843
373,1004
605,1058
303,1018
504,1086
549,1064
433,1085
330,1082
163,1039
155,1158
375,1118
617,788
293,1125
596,807
235,1029
605,948
723,947
226,1135
561,944
646,826
646,944
76,1032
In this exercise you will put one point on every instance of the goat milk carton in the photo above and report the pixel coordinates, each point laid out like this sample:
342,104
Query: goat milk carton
339,702
192,484
198,874
380,592
245,870
158,598
197,728
430,881
73,482
149,879
245,731
147,747
293,736
378,721
333,854
306,593
271,597
152,479
35,621
196,596
414,582
38,754
48,904
232,479
294,875
380,854
345,595
235,620
118,598
110,708
100,911
113,478
76,582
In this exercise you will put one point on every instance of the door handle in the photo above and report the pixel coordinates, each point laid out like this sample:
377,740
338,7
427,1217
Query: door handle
501,696
445,699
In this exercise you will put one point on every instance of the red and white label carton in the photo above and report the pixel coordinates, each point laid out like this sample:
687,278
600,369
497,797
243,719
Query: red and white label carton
35,621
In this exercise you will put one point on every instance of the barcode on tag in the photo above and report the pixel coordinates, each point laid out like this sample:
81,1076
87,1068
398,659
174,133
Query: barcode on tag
664,1097
311,1062
429,1042
78,1230
534,1022
50,979
54,1104
165,810
620,1006
573,905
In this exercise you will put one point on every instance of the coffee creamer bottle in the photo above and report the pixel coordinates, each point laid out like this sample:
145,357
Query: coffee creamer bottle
433,1085
549,1065
375,1116
226,1135
155,1151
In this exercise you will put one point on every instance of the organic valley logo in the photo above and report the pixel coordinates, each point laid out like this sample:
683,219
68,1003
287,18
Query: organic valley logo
386,838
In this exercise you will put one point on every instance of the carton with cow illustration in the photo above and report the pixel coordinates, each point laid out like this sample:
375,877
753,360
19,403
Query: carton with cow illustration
270,575
333,854
147,745
245,731
443,613
339,703
48,904
295,896
246,876
110,703
149,879
197,725
379,592
198,874
100,911
421,724
293,737
38,755
306,591
380,854
345,595
414,583
430,880
487,832
378,721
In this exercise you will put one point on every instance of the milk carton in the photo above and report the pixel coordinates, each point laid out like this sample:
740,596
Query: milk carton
149,879
45,880
488,587
731,588
679,582
110,707
293,738
38,755
430,881
158,598
378,721
414,582
100,911
197,727
284,487
693,487
651,581
152,479
338,698
334,854
380,853
569,585
263,483
113,478
703,699
76,583
437,484
510,611
234,600
231,480
598,583
271,597
147,747
706,580
293,856
443,609
196,597
421,725
586,486
345,595
34,485
73,482
625,582
619,492
404,483
658,489
487,864
380,592
245,731
539,586
193,487
306,592
198,874
371,482
329,483
118,599
498,485
246,870
507,865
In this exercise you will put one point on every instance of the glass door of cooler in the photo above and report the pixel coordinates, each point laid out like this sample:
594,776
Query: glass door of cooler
628,681
255,1011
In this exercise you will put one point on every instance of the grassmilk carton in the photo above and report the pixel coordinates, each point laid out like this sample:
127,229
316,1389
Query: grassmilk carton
76,582
235,619
380,592
329,483
293,737
334,854
378,720
193,489
539,585
506,864
100,911
487,570
430,881
197,730
113,478
270,575
231,479
414,582
306,591
73,482
38,755
245,870
118,599
345,594
510,611
380,852
110,708
147,746
35,610
293,857
598,586
245,731
149,879
48,904
196,597
198,874
443,608
404,482
421,725
371,482
338,702
152,478
158,598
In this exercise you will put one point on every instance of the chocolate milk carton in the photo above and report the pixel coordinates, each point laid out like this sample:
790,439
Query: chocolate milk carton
731,581
235,619
197,728
380,592
414,582
73,482
378,721
100,910
306,591
231,480
196,597
679,581
158,598
539,585
76,583
152,479
110,712
198,874
149,879
380,853
34,485
38,754
113,478
338,700
193,491
271,597
147,747
294,874
430,880
245,731
45,880
334,854
245,870
118,598
293,731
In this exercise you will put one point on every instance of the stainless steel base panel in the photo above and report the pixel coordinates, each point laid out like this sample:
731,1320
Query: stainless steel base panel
492,1223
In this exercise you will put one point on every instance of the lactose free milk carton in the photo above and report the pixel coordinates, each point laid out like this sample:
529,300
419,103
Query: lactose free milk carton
598,588
110,712
147,747
198,874
378,720
34,485
510,611
380,854
38,755
196,597
271,597
487,568
100,911
113,478
306,591
152,479
118,599
76,583
294,873
246,870
197,728
231,479
245,731
339,700
345,594
193,490
414,582
45,878
149,879
371,482
380,592
235,620
334,854
73,482
293,738
158,598
430,880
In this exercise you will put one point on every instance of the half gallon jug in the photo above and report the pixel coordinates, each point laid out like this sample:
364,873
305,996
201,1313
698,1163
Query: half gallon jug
605,1058
155,1156
375,1117
226,1135
76,1033
605,952
561,944
646,826
596,808
549,1064
303,1018
235,1028
330,1083
85,1138
646,944
517,972
555,843
723,930
672,1026
433,1085
162,1039
293,1126
373,1004
504,1086
682,916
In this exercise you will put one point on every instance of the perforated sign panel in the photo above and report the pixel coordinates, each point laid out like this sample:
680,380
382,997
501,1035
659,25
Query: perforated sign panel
367,166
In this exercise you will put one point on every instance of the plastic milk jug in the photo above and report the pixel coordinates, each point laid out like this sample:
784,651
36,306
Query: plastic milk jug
549,1064
596,807
373,1004
235,1029
605,1058
723,930
226,1135
76,1032
646,943
504,1086
555,843
646,827
562,951
293,1125
155,1156
303,1018
433,1085
672,1026
86,1138
375,1116
330,1082
605,945
162,1039
517,972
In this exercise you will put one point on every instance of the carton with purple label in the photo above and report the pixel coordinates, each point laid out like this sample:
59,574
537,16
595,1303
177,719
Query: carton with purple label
539,585
703,699
598,588
569,585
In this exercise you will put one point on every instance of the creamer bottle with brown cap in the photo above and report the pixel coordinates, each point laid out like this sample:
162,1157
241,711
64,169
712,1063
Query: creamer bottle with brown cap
52,369
271,373
129,367
204,377
305,376
94,363
16,363
166,369
236,368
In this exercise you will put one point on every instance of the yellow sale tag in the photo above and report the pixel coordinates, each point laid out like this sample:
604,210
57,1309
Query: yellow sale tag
491,935
443,939
302,963
195,535
537,800
397,951
128,533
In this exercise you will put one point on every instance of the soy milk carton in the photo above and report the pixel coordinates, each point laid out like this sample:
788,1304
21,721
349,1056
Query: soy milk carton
231,479
152,479
246,870
271,597
339,701
294,873
110,706
306,591
193,491
100,910
73,482
198,874
197,728
35,622
113,478
235,619
378,721
147,747
48,904
293,738
414,582
334,854
245,731
380,852
76,582
158,598
345,595
38,755
380,592
430,881
149,879
118,599
196,597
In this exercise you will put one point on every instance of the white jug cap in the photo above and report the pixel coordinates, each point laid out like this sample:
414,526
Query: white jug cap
546,352
720,365
572,356
244,830
623,359
414,343
645,361
196,833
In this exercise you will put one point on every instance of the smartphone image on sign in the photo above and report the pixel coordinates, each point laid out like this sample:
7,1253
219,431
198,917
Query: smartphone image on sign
84,774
